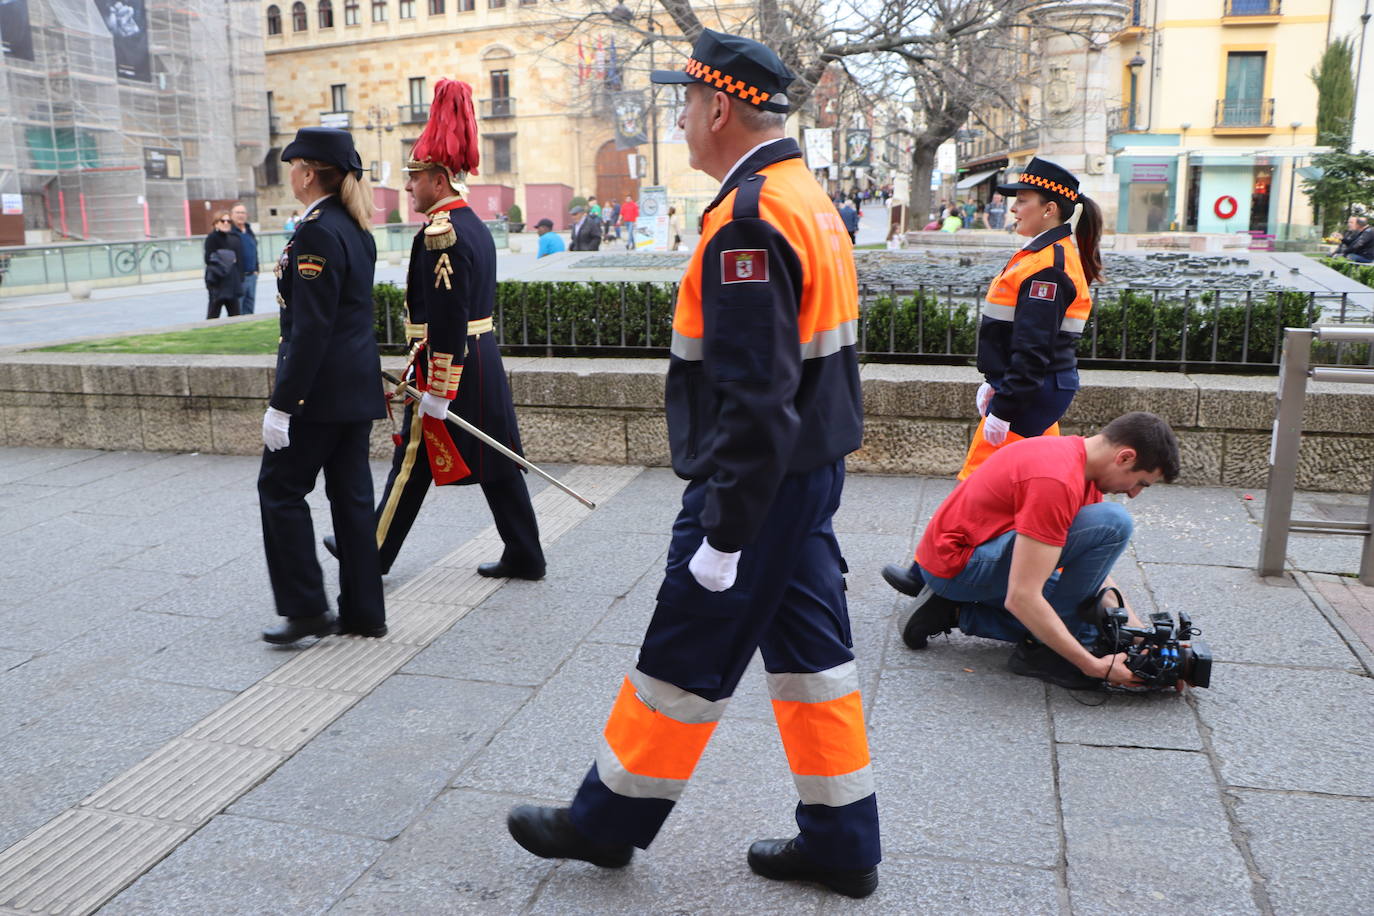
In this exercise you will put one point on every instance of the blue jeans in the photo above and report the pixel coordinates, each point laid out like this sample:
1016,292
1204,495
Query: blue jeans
248,294
1096,539
1357,259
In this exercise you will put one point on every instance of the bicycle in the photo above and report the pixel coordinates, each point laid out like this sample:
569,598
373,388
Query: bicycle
127,260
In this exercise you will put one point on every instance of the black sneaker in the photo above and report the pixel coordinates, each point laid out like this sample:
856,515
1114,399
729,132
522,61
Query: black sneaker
928,615
1035,659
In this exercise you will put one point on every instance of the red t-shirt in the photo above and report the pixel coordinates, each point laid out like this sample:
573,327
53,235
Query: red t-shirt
629,211
1035,486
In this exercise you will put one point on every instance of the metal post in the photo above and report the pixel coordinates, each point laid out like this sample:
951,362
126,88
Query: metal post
1367,555
1283,449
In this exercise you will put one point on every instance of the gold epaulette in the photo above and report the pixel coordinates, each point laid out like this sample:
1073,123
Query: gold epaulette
439,233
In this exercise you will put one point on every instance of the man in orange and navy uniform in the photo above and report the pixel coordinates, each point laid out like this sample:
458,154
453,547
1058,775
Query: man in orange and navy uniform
763,404
450,296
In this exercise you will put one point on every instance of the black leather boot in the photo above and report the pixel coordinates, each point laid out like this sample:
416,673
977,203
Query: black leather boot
781,860
549,833
297,628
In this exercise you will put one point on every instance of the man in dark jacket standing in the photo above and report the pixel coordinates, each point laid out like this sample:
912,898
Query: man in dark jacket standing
450,296
248,259
586,230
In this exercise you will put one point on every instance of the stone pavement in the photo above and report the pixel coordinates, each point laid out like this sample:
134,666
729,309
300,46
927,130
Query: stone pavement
157,756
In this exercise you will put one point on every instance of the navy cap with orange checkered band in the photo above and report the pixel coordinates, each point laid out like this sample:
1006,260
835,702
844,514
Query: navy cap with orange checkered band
1049,179
736,65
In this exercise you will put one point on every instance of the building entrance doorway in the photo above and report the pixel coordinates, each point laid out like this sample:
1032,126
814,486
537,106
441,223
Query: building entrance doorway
613,179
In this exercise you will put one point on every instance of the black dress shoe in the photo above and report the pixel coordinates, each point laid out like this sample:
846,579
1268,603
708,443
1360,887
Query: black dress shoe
331,545
1033,658
781,860
297,628
501,570
901,578
549,833
928,615
369,632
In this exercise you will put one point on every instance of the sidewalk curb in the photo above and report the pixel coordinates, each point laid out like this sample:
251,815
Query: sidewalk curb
1333,617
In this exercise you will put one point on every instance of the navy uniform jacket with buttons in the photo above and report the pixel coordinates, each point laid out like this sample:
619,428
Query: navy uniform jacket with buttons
328,367
445,289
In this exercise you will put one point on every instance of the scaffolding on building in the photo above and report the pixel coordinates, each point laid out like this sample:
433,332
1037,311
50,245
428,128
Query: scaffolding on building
125,119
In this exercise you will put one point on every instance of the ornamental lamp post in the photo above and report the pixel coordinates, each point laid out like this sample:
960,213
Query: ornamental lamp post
1135,63
625,16
379,119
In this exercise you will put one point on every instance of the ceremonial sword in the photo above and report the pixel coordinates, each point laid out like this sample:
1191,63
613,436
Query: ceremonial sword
414,394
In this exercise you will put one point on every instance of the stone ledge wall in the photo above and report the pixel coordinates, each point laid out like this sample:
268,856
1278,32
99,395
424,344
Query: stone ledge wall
610,411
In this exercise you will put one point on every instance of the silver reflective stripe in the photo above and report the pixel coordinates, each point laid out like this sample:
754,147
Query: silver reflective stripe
1072,325
835,790
674,702
999,312
824,343
685,347
820,687
631,785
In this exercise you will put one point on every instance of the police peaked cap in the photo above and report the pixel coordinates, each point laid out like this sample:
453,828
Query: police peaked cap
740,66
1041,175
325,144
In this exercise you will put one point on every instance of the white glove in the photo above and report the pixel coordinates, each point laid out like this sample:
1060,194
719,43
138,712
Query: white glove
995,429
434,406
713,570
276,429
985,393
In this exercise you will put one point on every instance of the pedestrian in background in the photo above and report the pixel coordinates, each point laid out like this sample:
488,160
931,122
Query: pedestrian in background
952,221
222,282
1035,312
327,392
997,212
611,224
292,220
248,259
850,217
586,230
763,405
550,242
629,215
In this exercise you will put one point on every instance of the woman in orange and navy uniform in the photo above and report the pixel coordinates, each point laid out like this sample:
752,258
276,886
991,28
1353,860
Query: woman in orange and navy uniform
1035,312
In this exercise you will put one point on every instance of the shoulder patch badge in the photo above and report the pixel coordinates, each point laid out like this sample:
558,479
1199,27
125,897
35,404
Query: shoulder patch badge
740,265
309,266
1043,289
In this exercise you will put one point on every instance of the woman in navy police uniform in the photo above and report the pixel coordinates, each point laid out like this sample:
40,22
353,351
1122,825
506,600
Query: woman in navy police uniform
328,391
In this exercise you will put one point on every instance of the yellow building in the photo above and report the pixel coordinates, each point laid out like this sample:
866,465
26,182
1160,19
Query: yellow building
1209,113
545,106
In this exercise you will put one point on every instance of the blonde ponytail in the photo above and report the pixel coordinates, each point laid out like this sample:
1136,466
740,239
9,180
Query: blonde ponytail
354,193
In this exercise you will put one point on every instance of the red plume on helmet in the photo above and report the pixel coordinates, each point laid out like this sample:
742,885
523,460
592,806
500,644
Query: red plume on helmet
450,137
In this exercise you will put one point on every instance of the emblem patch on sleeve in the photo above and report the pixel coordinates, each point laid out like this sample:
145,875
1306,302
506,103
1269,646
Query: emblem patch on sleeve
1043,289
309,266
741,265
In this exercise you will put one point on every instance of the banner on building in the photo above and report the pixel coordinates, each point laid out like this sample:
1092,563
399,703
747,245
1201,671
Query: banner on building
820,147
651,229
857,149
16,35
630,118
127,22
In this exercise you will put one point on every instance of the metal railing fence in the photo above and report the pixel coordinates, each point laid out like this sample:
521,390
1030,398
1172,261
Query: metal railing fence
1130,327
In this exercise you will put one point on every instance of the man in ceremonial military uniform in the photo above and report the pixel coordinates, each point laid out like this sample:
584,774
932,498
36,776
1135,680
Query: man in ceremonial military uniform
763,404
450,295
327,393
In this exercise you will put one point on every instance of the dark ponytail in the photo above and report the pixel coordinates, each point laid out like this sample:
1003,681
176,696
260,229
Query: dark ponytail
1088,234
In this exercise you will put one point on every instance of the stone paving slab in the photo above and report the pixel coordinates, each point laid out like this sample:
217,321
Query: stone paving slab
1301,844
1194,525
1146,829
953,887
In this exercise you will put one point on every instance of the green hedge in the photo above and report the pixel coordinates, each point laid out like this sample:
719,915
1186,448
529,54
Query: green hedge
1360,273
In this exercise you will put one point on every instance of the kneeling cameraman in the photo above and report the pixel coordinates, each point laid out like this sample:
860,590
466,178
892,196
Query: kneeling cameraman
987,562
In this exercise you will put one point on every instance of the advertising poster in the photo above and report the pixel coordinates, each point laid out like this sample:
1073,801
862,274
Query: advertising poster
127,21
820,147
630,118
16,35
856,147
651,229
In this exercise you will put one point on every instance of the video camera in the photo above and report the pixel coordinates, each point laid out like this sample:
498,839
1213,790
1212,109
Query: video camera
1165,653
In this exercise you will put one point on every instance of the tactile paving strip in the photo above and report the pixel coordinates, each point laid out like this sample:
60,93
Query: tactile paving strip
83,857
80,859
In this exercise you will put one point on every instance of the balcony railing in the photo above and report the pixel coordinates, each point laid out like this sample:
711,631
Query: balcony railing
413,114
342,120
1245,113
1252,8
496,108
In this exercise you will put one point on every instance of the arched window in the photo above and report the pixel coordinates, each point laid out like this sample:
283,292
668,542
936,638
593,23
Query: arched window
298,23
325,14
274,20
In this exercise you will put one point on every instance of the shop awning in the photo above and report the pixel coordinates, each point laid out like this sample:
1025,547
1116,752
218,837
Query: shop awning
976,178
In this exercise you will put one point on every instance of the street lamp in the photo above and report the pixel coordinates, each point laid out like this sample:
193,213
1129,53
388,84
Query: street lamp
624,15
1135,63
1292,180
1182,205
380,120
